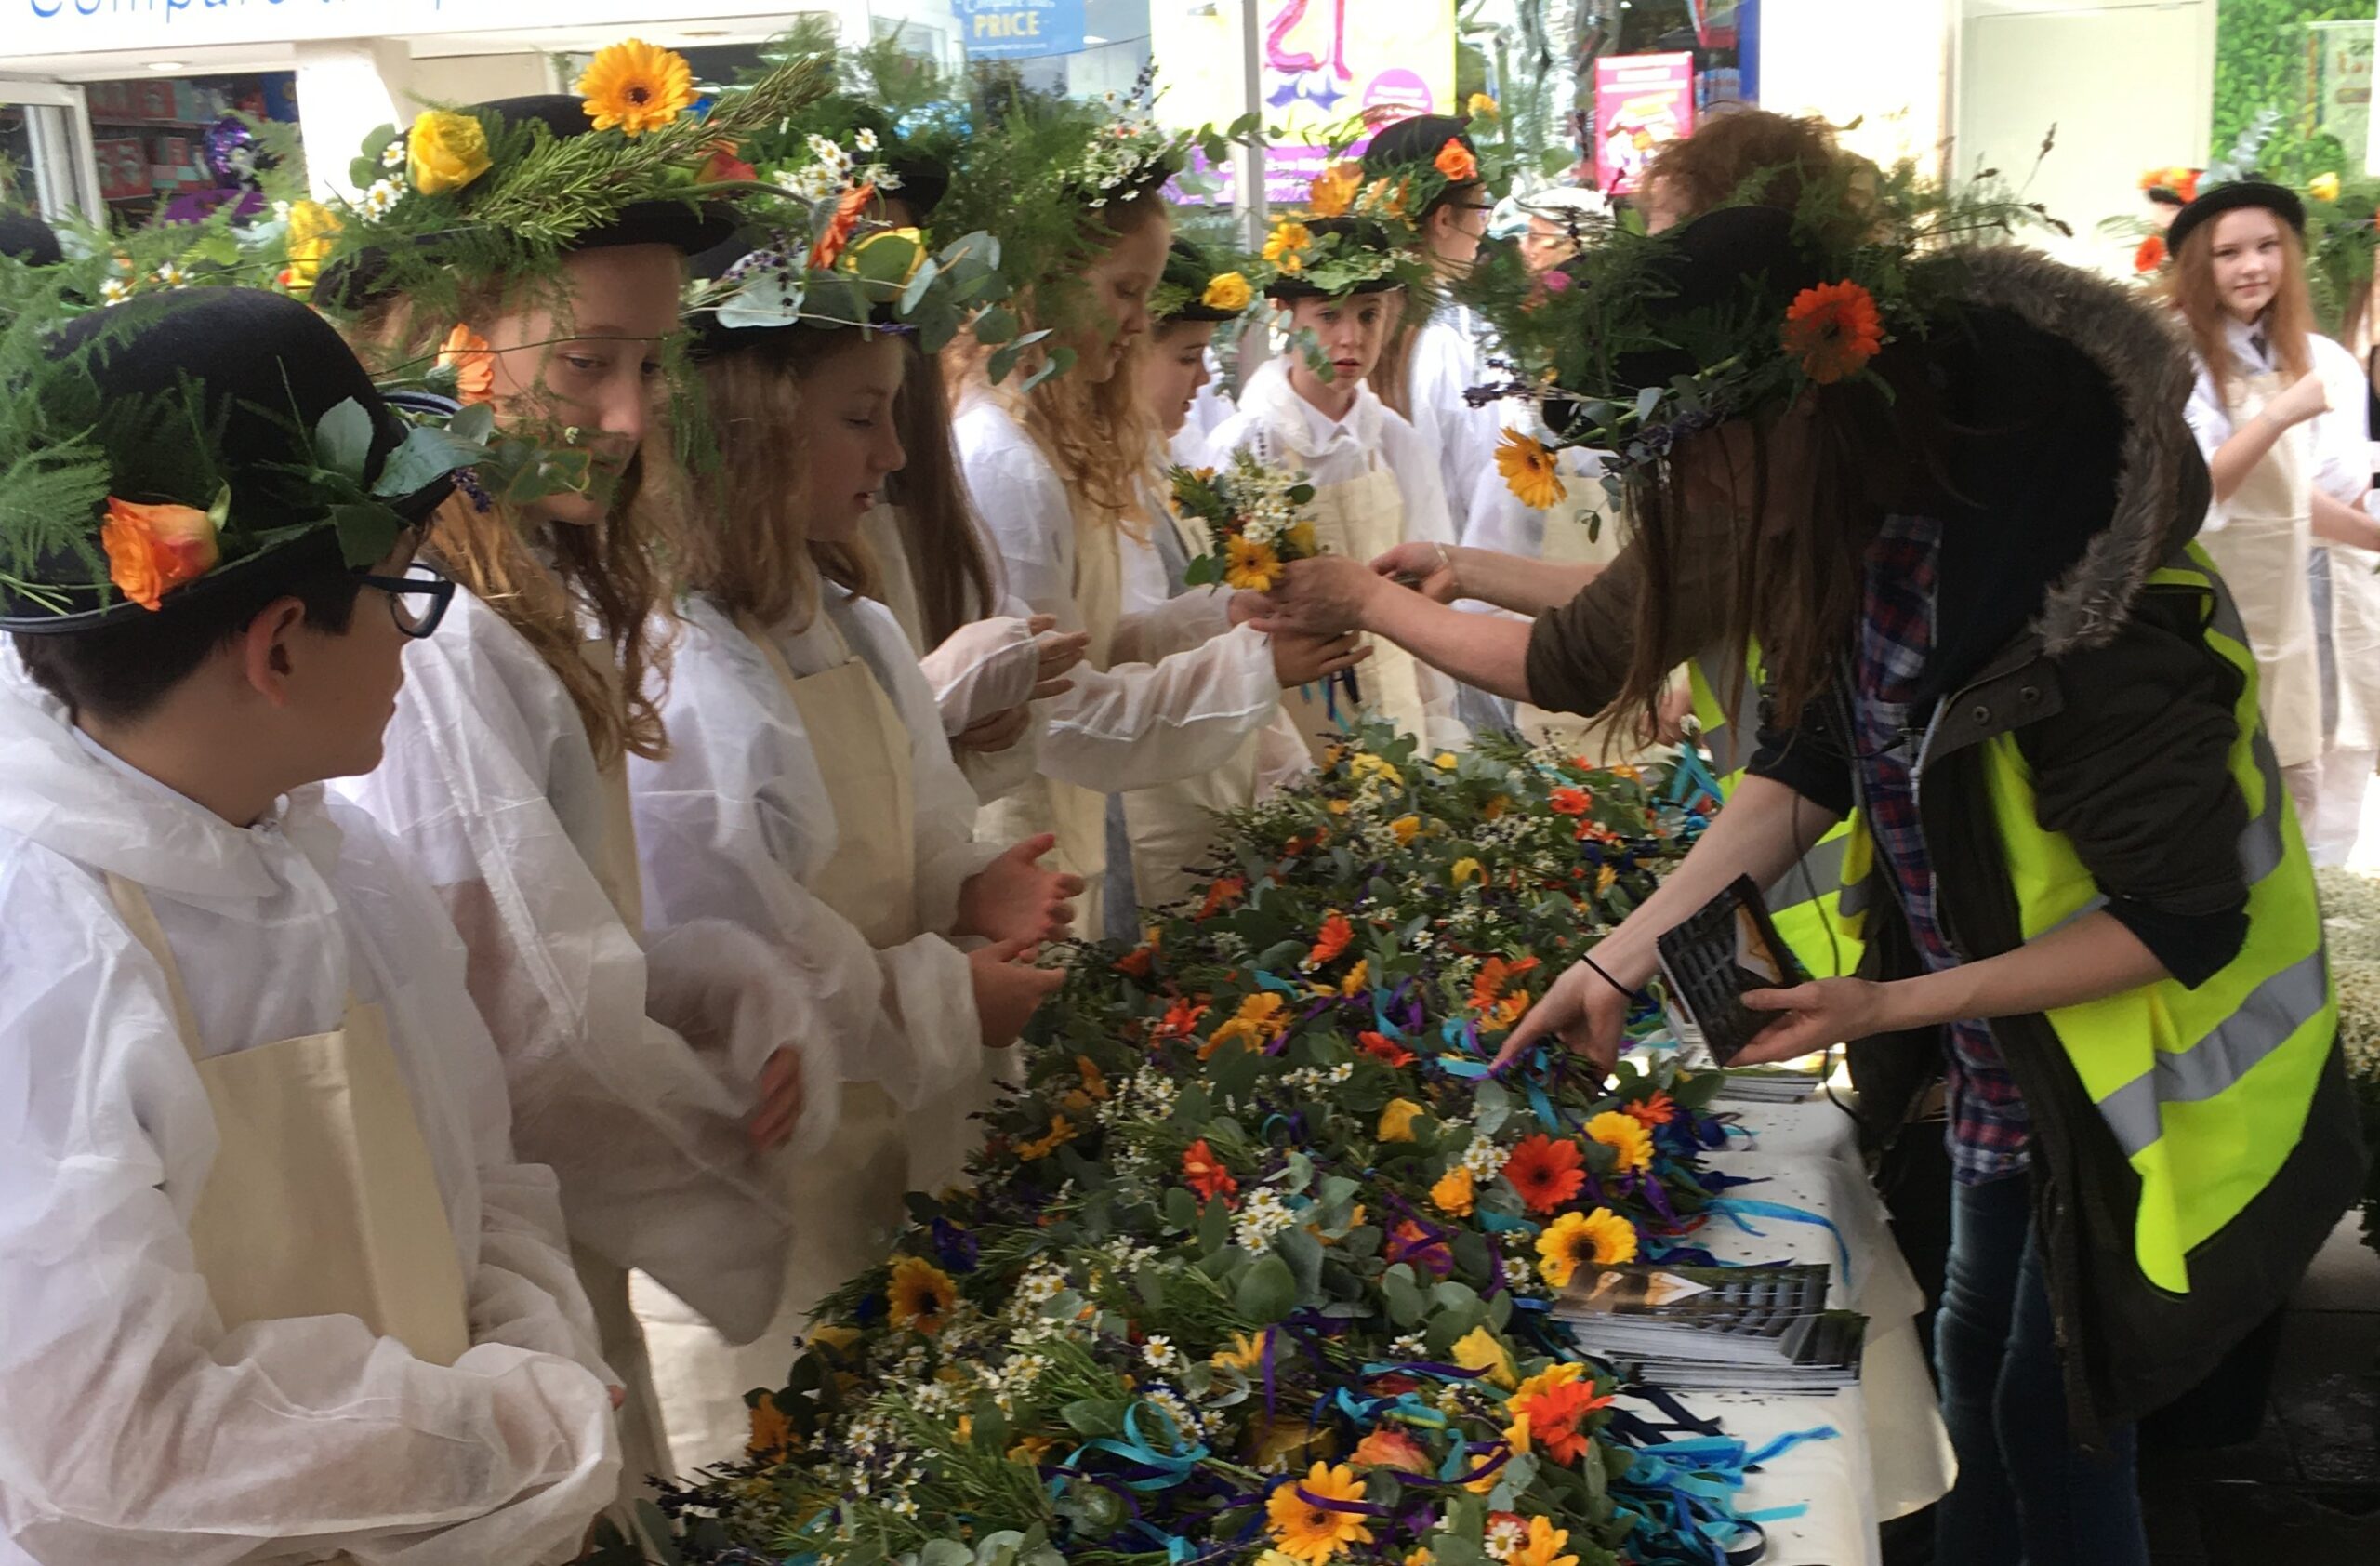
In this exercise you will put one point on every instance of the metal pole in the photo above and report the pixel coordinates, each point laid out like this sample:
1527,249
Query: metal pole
1248,200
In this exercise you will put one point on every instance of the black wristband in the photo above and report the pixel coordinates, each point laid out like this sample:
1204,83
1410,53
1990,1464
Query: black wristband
1603,974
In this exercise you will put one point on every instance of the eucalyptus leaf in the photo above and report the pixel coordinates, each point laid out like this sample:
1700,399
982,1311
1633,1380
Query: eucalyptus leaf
475,423
1267,1292
343,441
915,293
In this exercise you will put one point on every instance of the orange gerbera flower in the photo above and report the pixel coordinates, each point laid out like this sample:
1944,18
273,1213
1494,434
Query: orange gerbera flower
1529,471
1834,330
1333,940
2151,254
1226,891
1204,1174
466,353
1456,162
1494,975
1659,1110
635,86
1559,1419
848,212
153,549
1180,1019
1382,1048
1545,1171
1569,802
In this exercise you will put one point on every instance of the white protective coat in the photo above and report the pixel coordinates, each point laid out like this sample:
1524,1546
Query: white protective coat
1371,445
133,1428
1446,363
1124,724
634,1074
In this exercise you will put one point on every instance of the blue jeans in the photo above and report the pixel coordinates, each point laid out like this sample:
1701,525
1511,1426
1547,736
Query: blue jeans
2025,1496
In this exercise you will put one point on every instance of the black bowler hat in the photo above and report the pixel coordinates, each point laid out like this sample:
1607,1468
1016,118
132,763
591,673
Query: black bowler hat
1350,236
2279,200
29,239
1726,266
1188,269
199,388
1419,139
351,282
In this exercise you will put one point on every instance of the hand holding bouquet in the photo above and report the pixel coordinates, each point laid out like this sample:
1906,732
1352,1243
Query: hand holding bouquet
1254,520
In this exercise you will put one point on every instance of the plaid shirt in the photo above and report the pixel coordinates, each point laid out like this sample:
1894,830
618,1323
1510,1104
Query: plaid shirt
1989,1129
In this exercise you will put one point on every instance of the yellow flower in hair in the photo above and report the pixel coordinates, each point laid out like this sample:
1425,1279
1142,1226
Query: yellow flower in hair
445,150
1227,291
2323,187
313,228
634,86
1529,471
1481,106
1284,244
1333,190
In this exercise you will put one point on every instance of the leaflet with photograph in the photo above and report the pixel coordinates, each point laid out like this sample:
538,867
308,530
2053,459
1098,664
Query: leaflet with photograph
1723,948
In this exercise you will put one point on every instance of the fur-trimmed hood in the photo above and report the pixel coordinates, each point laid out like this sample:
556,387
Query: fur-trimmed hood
2163,487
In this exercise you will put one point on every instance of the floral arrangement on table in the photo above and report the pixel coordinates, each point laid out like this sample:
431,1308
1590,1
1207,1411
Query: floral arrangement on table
2351,929
1257,1261
1254,520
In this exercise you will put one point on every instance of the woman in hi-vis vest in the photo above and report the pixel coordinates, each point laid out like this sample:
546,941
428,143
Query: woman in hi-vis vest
1962,500
2291,464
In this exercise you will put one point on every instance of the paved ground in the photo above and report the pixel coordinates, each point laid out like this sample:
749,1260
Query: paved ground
2305,1491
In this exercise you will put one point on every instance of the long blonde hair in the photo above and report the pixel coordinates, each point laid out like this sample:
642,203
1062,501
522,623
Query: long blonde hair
745,541
539,576
2288,321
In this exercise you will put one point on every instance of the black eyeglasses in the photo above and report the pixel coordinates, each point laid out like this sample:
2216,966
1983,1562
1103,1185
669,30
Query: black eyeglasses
423,582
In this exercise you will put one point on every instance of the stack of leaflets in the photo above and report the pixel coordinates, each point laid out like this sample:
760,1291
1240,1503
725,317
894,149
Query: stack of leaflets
1742,1329
1768,1084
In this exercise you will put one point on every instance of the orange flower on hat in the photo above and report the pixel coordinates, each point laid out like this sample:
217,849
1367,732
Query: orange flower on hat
1834,330
1333,190
2151,254
848,212
634,86
1456,162
153,549
467,353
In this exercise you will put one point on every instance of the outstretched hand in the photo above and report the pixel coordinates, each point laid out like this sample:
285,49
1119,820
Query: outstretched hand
1581,1011
1015,899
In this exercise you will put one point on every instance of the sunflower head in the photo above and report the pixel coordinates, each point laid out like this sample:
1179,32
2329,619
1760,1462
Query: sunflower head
920,1295
634,86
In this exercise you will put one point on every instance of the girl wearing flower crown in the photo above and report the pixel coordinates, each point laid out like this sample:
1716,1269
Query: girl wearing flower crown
653,1081
1341,283
1046,468
810,798
2278,411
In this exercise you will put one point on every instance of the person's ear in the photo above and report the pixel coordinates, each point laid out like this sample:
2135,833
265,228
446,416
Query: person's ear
268,649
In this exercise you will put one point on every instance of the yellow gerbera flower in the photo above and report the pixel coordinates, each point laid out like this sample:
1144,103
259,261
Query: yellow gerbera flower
1626,1136
1357,978
1559,1373
1312,1533
1599,1238
1284,246
772,1431
635,86
1454,1193
1544,1546
1333,190
920,1295
1061,1131
1529,471
1251,564
1482,1350
1396,1119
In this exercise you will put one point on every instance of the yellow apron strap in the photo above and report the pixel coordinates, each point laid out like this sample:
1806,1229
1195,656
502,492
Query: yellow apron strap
132,901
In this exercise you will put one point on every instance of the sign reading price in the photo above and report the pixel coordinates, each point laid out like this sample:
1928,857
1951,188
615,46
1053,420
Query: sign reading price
1017,29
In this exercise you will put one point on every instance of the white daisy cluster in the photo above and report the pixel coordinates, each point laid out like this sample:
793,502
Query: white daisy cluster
1150,1093
1161,1353
382,197
1483,1157
1266,1214
1517,1273
832,169
1189,1423
1042,1283
1412,1346
1259,497
115,290
1314,1079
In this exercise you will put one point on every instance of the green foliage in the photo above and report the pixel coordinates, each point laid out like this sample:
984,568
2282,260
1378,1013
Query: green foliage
2260,62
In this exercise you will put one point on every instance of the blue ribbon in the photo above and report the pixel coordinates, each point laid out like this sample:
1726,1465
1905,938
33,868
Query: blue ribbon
1737,1209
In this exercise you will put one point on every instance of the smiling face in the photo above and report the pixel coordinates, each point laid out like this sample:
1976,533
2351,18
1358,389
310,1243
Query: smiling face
590,362
1352,331
849,434
1116,288
1173,370
2250,260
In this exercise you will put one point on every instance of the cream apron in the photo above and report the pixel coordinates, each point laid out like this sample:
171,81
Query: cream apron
1567,543
321,1199
848,1200
644,1451
2262,549
1172,825
2354,644
1077,815
1363,519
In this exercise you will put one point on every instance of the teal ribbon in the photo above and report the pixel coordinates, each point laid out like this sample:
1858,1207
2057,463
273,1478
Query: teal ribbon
1737,1208
1174,1467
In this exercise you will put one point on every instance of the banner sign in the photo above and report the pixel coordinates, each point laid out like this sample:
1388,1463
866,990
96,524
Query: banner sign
1017,29
1642,101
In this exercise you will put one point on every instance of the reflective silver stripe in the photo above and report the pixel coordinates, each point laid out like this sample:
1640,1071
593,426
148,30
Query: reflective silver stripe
2093,906
2260,845
2273,1011
1854,900
1819,873
1732,690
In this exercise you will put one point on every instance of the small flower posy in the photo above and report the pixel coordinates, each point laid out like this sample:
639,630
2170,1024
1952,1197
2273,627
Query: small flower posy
1253,519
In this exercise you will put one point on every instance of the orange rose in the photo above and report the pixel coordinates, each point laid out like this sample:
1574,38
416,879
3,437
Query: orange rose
153,549
1456,162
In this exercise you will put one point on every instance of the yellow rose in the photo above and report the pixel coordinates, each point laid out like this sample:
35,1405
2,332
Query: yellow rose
2323,187
445,150
1406,828
1454,1193
1484,1351
1396,1119
313,230
1227,291
1466,870
1481,105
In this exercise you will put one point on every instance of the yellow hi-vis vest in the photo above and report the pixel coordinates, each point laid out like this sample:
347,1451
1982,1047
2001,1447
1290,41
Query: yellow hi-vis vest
2206,1090
1814,903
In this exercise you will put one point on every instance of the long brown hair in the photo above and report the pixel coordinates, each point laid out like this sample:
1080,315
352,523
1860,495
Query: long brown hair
957,579
539,576
745,541
2288,320
1391,377
1096,434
